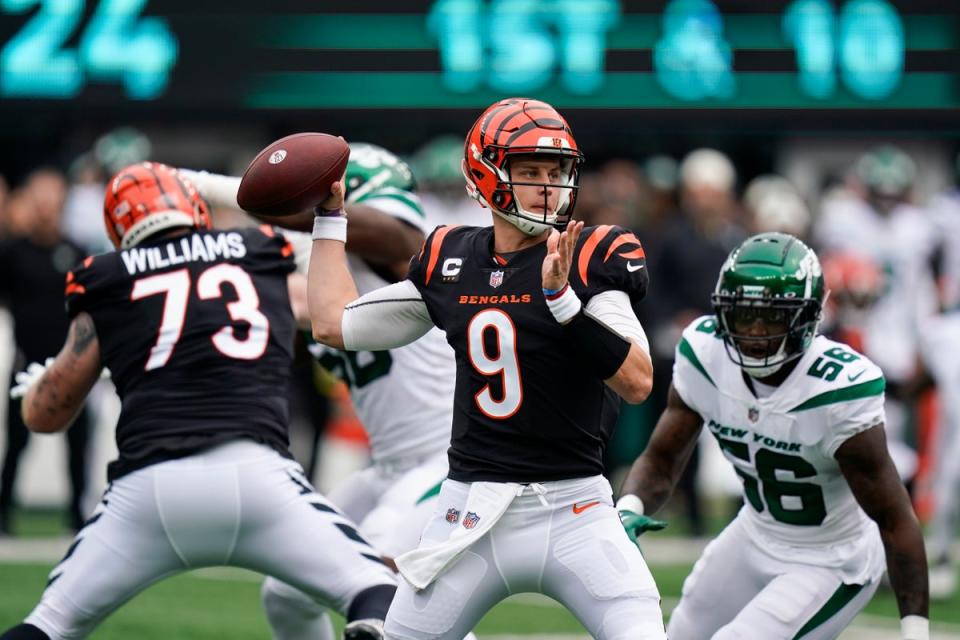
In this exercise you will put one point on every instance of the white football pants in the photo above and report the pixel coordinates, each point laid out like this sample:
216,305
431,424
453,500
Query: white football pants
392,502
239,504
737,591
572,549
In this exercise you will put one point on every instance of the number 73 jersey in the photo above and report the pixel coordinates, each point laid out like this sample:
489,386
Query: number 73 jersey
782,446
198,334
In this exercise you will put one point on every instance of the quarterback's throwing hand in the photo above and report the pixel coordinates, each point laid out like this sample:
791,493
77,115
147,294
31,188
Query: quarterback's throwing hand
560,246
635,524
335,201
26,379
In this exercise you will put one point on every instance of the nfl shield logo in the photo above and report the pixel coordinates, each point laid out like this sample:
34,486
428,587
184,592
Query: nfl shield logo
453,515
496,279
470,520
754,414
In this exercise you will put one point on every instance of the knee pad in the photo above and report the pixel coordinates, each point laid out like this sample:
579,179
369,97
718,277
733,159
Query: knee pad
605,562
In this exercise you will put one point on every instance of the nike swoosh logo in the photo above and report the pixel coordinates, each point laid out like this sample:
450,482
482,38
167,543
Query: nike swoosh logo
854,378
578,509
633,267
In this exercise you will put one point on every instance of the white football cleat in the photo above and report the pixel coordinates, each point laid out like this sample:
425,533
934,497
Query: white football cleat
366,629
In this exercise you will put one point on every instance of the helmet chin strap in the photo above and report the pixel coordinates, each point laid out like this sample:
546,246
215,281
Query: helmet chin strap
529,227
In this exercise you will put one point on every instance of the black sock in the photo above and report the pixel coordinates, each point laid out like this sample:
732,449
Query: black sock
369,603
24,632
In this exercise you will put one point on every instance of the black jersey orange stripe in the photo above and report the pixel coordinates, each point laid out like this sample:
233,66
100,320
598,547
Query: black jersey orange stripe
586,251
435,245
626,238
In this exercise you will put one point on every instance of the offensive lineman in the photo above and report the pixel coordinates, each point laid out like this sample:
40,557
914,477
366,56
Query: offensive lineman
403,396
542,351
196,327
800,417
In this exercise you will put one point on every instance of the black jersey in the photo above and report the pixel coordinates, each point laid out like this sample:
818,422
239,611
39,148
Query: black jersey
526,408
197,332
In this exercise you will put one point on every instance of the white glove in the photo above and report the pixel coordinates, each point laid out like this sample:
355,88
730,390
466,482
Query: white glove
26,379
220,191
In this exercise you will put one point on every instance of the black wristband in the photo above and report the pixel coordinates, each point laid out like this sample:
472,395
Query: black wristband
597,344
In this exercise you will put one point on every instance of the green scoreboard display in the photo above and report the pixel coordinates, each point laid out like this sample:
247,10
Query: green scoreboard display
448,54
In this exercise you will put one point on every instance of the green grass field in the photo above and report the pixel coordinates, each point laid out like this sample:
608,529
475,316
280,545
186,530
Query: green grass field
224,603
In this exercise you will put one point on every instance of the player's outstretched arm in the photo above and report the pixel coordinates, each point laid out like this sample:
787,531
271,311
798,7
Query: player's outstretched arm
330,286
873,479
53,400
382,239
372,234
655,473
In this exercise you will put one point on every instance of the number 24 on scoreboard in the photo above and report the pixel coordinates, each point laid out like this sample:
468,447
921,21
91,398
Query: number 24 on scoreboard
117,45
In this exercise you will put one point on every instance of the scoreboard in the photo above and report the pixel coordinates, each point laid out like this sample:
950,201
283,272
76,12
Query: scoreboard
250,56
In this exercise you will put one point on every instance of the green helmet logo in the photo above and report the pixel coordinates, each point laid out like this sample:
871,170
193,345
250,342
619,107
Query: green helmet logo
374,172
768,302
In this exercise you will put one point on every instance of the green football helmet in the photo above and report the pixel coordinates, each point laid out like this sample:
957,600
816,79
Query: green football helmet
887,171
374,172
776,280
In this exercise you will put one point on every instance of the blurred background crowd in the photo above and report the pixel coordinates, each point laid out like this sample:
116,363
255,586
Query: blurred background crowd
877,198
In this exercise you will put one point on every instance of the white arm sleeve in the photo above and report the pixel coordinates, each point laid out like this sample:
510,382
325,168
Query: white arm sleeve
613,309
386,318
220,191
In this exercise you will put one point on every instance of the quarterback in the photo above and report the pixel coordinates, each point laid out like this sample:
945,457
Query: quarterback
539,312
800,418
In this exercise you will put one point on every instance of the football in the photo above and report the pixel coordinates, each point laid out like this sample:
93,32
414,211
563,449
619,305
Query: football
293,174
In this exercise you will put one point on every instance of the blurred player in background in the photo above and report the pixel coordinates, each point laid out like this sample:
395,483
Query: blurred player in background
879,223
800,417
525,507
33,263
197,330
940,352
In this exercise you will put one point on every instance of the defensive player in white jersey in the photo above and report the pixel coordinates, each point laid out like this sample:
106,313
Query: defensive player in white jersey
800,417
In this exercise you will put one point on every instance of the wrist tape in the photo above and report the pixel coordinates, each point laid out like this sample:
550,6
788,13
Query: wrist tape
330,228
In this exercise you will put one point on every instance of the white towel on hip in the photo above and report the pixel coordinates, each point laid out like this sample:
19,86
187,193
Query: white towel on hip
486,504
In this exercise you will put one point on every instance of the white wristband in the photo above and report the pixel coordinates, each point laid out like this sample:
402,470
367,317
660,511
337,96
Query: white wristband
630,502
564,305
915,628
330,228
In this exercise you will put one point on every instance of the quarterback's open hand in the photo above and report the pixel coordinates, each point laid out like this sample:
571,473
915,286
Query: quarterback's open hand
635,524
27,378
560,246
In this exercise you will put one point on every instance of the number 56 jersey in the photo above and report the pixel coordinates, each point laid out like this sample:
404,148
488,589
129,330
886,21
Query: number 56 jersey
197,332
797,502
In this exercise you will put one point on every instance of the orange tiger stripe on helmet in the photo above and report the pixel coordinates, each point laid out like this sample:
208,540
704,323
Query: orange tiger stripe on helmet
518,126
145,198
